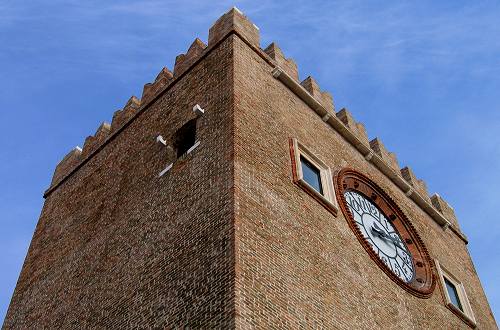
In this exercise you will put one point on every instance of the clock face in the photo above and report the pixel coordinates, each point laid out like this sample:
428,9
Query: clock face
386,234
381,235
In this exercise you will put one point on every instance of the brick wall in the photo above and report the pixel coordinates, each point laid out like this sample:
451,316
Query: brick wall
298,266
117,246
224,239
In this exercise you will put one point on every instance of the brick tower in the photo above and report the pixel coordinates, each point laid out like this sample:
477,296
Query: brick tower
232,195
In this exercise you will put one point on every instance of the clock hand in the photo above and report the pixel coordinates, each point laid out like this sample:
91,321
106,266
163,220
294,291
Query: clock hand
395,241
379,230
382,234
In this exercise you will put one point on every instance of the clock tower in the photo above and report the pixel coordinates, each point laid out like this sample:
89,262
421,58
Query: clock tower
233,195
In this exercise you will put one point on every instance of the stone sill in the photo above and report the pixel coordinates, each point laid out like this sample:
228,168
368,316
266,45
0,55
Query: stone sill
317,196
464,317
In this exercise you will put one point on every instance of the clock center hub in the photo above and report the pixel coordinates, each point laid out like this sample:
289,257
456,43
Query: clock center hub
378,235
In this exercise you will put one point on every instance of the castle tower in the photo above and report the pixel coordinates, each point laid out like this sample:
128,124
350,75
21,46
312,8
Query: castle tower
234,195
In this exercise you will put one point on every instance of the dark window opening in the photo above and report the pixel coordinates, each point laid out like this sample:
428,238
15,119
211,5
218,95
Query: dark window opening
453,293
185,137
311,174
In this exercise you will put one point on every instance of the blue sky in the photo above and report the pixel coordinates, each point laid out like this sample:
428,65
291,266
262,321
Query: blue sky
424,76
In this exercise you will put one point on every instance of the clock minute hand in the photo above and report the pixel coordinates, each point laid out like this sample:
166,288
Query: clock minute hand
395,241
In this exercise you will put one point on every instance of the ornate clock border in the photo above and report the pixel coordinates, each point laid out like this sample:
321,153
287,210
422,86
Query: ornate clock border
423,283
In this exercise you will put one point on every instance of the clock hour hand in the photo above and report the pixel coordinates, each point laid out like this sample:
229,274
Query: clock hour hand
379,231
382,234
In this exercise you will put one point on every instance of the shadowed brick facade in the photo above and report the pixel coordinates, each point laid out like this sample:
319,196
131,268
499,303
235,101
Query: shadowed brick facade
225,238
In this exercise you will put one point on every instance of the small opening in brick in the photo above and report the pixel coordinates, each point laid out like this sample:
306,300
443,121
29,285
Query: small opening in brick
185,137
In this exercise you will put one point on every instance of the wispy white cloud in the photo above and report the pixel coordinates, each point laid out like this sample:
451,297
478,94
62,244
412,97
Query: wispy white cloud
389,42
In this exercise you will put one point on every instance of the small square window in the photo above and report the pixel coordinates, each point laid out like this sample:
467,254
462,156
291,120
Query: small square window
455,295
312,175
185,138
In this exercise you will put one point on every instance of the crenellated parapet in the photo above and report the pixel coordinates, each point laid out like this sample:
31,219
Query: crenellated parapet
446,210
184,61
287,64
152,89
92,142
325,98
389,157
234,20
120,117
282,68
358,129
418,185
67,164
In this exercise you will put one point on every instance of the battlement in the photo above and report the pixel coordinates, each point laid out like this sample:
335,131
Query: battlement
287,64
184,61
152,89
284,69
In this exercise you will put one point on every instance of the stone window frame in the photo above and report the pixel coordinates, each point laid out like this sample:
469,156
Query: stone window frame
328,198
467,314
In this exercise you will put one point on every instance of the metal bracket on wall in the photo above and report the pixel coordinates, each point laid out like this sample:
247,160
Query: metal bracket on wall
161,140
165,170
198,110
